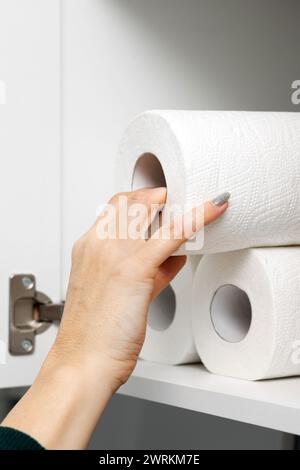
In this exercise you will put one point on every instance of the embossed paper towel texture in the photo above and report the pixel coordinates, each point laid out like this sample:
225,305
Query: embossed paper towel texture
253,155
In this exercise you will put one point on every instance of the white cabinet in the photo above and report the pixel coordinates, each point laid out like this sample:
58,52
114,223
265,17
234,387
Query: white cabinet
29,164
73,73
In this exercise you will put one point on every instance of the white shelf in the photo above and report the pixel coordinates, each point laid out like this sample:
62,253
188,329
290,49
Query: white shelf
273,404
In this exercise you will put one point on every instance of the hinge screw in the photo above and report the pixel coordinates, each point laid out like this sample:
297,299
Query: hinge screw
27,345
27,282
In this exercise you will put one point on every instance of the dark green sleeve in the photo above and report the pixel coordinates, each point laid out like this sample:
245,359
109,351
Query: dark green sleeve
11,439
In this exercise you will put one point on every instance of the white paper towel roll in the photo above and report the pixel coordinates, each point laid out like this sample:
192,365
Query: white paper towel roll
246,313
169,338
253,155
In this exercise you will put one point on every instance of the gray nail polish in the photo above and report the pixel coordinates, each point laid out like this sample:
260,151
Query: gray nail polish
221,199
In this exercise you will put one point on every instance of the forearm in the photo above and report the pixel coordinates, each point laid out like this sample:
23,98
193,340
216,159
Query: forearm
63,406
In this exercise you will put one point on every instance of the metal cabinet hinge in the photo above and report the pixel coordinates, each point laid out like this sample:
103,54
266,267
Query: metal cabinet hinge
30,313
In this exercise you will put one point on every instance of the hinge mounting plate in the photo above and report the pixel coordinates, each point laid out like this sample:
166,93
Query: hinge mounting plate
30,313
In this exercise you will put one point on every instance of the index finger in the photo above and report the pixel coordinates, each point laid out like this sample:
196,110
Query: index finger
158,249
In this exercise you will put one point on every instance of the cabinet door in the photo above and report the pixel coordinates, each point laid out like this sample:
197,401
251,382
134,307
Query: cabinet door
29,165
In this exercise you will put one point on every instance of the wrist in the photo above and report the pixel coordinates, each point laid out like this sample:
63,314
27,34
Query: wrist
92,375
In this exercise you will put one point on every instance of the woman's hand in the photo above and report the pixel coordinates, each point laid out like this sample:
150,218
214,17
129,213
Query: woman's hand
112,283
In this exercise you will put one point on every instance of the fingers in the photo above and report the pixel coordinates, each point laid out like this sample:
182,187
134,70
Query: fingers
147,196
134,211
168,238
167,272
160,247
143,208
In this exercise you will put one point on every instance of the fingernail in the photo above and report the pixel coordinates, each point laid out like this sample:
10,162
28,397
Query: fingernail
221,199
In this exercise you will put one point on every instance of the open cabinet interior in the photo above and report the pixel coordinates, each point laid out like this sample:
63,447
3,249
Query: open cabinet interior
122,57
